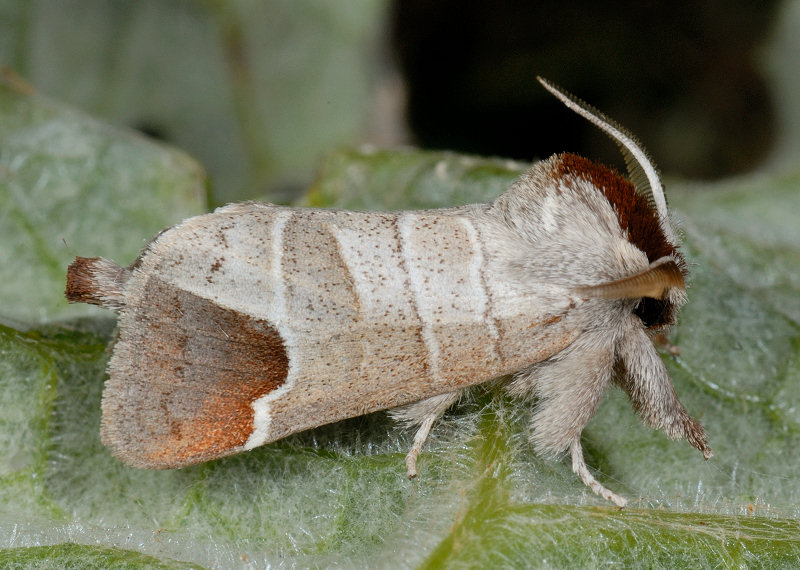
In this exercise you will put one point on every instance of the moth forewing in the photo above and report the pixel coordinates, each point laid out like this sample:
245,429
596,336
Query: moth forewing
243,326
304,322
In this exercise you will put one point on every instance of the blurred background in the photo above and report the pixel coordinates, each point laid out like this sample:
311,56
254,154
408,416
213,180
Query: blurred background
259,91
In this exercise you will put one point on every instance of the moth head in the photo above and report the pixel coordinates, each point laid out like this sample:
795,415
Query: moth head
644,216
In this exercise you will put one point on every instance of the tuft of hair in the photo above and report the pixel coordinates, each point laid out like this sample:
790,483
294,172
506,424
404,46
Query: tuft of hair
97,281
641,170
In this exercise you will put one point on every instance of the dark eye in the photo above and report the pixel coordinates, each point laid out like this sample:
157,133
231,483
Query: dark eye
655,313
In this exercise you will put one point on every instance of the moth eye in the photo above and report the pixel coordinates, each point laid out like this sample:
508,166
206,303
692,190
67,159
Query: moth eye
655,313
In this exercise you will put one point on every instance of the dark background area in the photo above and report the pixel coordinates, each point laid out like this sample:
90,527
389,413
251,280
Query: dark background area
682,76
259,92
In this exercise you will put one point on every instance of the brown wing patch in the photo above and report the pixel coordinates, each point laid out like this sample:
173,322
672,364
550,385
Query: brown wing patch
183,377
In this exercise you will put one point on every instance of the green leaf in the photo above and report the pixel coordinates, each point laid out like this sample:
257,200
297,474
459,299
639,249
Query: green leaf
257,91
70,185
338,495
88,557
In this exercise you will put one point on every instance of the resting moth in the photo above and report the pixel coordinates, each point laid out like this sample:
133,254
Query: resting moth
240,327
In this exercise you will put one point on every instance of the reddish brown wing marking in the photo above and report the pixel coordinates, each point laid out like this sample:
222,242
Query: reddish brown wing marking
184,374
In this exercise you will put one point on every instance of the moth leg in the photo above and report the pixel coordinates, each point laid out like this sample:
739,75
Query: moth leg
423,414
568,388
419,439
642,374
661,341
581,470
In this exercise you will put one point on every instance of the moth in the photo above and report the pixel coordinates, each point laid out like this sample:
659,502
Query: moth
240,327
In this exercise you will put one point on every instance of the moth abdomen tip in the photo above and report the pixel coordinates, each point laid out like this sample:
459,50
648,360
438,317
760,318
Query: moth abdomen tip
96,281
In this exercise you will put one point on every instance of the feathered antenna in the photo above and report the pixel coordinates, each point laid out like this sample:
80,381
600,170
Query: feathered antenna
641,170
